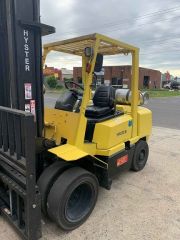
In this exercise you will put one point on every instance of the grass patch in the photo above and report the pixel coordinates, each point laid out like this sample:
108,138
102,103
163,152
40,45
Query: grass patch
162,93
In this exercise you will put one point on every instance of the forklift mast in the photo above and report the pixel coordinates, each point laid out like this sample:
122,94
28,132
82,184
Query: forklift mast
21,54
21,112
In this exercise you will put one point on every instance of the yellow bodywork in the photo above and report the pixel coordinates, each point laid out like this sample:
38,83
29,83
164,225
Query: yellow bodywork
65,150
110,133
61,124
109,136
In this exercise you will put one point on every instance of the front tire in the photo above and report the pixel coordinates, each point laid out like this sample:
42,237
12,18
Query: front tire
140,156
72,198
47,179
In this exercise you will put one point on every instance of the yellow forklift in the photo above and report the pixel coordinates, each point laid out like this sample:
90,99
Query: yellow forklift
95,136
56,159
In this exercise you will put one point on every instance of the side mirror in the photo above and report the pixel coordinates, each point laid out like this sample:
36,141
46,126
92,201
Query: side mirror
99,63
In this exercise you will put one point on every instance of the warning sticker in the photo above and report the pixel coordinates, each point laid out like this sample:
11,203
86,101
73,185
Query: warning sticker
33,107
122,160
28,91
27,108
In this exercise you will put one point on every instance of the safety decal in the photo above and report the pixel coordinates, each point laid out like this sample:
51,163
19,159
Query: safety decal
28,91
27,108
122,160
33,107
130,123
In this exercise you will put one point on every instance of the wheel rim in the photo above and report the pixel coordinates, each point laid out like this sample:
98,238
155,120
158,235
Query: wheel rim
142,157
79,203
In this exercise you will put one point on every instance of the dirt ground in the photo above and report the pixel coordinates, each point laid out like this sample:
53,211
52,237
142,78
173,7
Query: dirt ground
140,206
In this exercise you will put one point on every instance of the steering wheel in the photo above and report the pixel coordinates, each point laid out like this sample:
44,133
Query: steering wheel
68,83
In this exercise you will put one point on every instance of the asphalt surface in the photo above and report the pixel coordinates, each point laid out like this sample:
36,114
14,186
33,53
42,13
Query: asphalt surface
166,111
50,99
139,206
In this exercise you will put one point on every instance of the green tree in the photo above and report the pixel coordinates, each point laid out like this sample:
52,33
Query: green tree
52,82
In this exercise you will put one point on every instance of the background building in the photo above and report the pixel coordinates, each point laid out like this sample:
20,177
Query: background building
121,75
66,74
60,74
51,71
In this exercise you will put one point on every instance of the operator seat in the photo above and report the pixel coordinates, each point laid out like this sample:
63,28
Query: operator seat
66,101
104,103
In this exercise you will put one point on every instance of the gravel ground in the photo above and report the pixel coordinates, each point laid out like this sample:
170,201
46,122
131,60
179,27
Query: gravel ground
140,206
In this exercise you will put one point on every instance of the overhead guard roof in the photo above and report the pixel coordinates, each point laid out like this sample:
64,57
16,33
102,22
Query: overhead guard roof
76,46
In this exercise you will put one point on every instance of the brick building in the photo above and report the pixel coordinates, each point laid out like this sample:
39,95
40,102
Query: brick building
66,74
59,74
121,75
51,71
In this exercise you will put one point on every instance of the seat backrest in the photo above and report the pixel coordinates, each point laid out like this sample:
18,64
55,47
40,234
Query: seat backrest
66,101
104,96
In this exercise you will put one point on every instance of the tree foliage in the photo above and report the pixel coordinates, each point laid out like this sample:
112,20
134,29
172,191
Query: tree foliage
52,82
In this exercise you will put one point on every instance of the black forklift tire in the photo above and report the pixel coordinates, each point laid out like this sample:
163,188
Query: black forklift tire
72,198
47,179
140,157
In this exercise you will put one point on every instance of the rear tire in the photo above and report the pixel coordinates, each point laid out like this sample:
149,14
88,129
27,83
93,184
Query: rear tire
140,157
47,179
72,198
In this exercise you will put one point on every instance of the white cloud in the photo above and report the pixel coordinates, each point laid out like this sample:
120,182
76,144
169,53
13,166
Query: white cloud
137,22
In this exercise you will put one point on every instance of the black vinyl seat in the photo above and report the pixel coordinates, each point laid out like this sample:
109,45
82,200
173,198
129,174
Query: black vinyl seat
66,101
104,102
102,110
97,112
